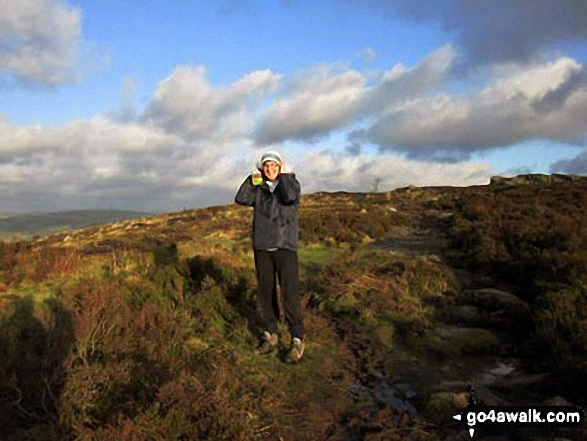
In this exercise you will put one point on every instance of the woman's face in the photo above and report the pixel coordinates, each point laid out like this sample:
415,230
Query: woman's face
271,169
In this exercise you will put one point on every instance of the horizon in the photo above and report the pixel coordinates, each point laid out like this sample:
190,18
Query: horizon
152,107
155,213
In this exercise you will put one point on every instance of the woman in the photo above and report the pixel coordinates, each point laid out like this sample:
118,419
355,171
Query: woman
274,196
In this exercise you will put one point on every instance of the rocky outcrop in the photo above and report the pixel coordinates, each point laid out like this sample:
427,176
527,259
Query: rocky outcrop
535,178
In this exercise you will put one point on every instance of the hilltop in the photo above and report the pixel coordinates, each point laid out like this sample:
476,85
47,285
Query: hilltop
144,328
26,225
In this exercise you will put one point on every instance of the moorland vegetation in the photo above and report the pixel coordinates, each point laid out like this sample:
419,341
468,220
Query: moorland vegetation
144,329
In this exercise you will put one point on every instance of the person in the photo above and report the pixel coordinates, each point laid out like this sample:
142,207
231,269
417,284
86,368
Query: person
274,195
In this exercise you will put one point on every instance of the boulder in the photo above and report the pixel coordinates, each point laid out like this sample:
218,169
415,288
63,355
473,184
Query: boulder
491,299
557,401
465,314
455,341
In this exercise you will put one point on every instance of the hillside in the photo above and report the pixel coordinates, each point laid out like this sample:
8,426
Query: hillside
31,224
145,329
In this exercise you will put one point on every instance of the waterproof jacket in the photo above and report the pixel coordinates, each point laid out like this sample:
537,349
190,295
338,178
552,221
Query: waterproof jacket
275,215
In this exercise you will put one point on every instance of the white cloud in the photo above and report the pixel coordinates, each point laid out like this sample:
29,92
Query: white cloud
196,142
402,83
331,97
321,101
533,81
542,101
87,161
326,171
39,39
99,162
186,104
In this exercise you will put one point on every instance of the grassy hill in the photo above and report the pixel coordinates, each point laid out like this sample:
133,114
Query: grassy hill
145,328
31,224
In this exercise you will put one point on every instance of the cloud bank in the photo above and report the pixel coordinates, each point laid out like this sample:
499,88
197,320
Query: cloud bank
331,97
194,145
410,109
542,101
576,165
195,142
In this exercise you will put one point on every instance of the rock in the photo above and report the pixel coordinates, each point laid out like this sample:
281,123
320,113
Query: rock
485,396
455,341
518,381
464,277
534,178
443,405
492,299
557,401
453,386
463,314
469,280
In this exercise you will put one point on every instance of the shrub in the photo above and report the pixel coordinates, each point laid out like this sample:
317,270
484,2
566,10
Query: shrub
562,323
34,341
382,291
535,238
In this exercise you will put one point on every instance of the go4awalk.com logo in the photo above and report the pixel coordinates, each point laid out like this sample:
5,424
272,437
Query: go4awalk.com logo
500,420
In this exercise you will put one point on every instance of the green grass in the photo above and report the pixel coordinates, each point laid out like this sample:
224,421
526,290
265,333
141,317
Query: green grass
314,256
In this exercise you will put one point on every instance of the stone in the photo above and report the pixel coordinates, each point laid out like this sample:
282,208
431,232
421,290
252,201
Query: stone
518,381
469,280
441,406
557,401
466,314
533,178
455,341
492,299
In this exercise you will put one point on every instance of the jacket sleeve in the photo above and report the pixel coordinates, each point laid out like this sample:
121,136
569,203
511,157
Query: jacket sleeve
246,193
288,190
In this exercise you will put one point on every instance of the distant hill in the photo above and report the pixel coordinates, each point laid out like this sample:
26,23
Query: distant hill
30,224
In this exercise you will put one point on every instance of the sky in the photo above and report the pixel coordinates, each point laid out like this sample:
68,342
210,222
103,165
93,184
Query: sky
160,106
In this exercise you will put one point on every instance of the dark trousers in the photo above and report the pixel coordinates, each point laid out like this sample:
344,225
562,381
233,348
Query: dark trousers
282,265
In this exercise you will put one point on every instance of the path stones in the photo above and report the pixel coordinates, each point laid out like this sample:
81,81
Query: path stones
455,341
492,299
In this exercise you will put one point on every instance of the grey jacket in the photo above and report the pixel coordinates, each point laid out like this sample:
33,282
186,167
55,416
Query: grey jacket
275,215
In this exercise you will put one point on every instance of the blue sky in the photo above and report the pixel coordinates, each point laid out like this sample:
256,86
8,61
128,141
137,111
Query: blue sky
163,105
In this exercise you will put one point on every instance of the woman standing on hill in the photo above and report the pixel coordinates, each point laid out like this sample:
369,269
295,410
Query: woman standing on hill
274,196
